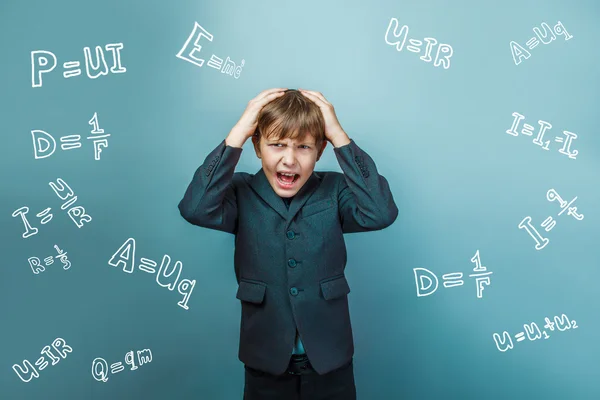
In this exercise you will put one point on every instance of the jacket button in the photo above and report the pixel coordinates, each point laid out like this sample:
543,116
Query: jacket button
290,234
292,262
294,291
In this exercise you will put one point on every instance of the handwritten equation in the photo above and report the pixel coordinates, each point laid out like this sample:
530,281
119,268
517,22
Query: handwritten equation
44,144
442,56
43,62
100,368
549,223
519,52
27,372
125,255
190,50
533,332
539,139
37,267
427,282
76,213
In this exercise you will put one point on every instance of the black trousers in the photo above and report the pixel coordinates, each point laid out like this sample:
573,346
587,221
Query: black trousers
300,382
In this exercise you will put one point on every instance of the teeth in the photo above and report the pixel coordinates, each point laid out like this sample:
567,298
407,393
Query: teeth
287,174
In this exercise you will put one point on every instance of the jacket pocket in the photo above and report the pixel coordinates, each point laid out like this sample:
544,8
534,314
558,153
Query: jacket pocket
316,207
251,291
335,287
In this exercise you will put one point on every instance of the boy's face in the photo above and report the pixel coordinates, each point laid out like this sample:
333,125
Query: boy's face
297,157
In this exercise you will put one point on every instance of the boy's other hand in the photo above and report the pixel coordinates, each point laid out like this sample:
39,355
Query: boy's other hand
248,122
333,130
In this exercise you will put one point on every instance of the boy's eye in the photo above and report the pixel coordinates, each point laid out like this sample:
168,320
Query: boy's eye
277,144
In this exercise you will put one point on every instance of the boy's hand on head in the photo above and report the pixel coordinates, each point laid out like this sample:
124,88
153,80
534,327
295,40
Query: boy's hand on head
246,126
333,130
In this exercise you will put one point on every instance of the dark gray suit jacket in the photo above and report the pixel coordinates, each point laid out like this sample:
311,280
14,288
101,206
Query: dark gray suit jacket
289,264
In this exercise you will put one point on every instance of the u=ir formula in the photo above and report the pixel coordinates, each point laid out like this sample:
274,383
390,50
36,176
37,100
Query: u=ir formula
398,38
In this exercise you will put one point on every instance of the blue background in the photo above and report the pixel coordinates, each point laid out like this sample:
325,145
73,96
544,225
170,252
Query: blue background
438,135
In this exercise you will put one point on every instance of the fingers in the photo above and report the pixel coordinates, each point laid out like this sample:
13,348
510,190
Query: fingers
272,90
315,99
314,96
265,93
274,95
268,95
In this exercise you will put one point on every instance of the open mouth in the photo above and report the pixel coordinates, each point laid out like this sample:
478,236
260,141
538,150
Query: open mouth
287,180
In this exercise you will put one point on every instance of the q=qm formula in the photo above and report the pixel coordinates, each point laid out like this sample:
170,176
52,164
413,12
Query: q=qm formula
100,368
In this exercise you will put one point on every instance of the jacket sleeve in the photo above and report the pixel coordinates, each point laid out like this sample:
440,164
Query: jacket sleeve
210,199
364,197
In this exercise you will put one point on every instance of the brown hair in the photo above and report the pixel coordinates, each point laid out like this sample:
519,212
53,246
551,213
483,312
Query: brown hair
291,116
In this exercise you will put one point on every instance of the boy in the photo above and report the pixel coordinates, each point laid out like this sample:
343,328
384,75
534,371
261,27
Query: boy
288,220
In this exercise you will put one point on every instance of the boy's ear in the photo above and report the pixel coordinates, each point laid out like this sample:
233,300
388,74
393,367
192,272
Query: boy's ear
322,149
256,142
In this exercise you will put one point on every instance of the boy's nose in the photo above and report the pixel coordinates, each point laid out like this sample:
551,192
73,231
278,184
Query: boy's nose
289,163
289,156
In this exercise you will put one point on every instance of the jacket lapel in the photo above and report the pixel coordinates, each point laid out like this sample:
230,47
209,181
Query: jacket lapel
260,184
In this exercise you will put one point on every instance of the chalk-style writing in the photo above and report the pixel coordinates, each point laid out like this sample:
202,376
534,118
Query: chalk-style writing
101,370
44,144
549,223
191,48
26,371
398,38
532,332
427,282
64,192
125,256
519,53
539,140
43,62
37,267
